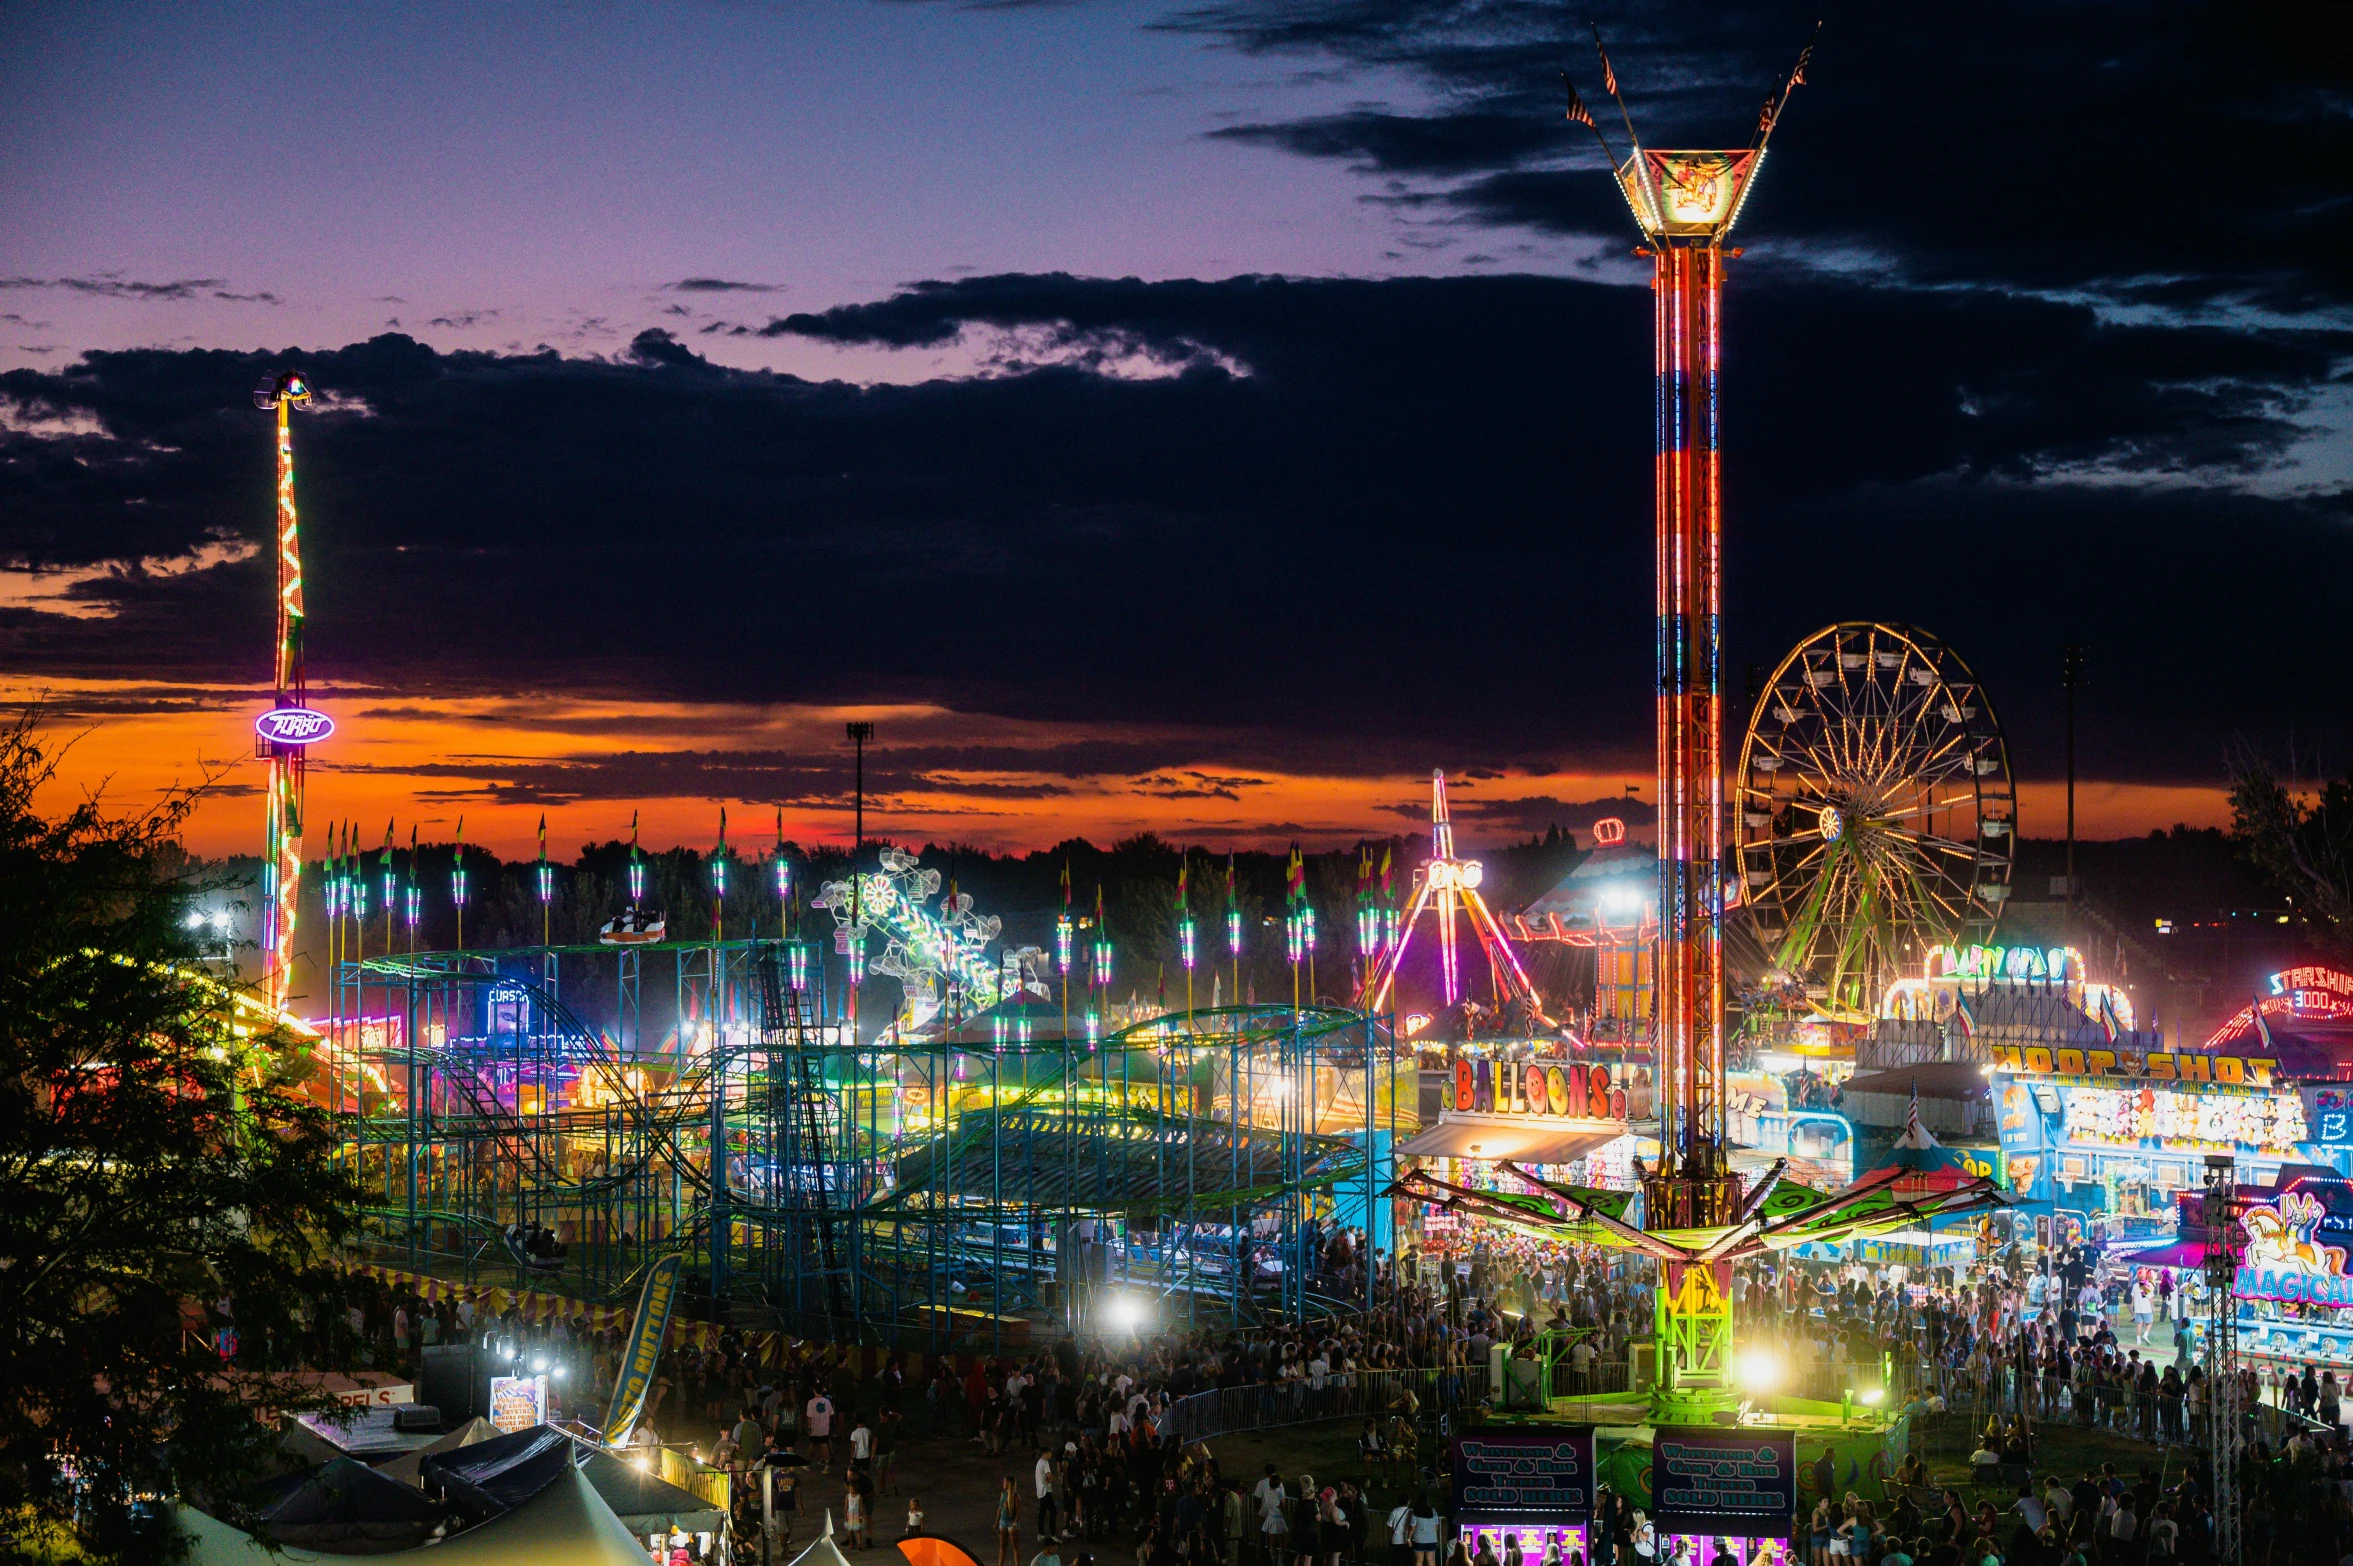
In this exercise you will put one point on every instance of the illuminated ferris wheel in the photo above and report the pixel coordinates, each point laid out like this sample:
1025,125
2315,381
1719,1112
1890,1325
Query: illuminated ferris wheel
1875,812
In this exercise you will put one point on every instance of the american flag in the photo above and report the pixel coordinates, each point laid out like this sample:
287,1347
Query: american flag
1578,113
1609,78
1805,57
1765,120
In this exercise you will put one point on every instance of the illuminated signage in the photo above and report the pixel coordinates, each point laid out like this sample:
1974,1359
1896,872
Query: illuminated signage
2284,1261
294,725
518,1402
2155,1066
1609,829
2308,994
2056,964
1574,1090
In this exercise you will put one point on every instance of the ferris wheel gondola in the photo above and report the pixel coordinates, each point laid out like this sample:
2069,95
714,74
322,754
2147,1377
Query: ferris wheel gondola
1875,812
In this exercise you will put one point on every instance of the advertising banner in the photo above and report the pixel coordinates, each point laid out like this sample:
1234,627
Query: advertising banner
1535,1476
645,1347
518,1402
1724,1481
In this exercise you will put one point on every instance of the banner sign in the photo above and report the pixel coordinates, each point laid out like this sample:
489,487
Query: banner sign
645,1347
1724,1481
1539,1476
2156,1066
518,1402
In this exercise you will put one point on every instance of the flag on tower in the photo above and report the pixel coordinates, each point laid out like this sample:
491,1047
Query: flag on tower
1609,77
1184,863
1385,853
1295,879
1066,883
543,837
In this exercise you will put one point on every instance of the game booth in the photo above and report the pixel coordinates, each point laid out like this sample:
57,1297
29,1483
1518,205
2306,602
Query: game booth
1714,1496
2102,1137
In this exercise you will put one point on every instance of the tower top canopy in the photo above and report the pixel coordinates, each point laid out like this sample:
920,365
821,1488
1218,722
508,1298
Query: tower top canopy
1687,195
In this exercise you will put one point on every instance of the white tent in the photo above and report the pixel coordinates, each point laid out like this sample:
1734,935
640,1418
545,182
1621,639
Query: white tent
822,1551
565,1524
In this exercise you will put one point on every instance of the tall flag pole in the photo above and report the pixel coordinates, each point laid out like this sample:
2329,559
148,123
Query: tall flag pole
1185,938
457,882
282,743
636,865
1294,926
390,883
1063,935
546,876
1234,926
416,890
784,882
719,886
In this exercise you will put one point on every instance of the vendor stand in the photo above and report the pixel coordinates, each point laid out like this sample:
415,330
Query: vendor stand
1529,1486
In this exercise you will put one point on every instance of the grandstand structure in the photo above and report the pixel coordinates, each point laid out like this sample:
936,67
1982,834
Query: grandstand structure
556,1118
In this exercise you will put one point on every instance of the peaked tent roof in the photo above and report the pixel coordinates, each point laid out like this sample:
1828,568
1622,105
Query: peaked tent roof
352,1492
822,1551
565,1524
503,1472
473,1431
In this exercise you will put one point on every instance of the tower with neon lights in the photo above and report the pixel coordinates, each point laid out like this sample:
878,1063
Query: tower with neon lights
288,729
1685,204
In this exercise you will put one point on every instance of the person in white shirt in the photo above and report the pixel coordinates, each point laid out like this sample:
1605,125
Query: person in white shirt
861,1441
818,1417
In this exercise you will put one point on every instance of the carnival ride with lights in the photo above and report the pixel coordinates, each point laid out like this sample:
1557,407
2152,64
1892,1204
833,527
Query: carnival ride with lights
1696,1215
939,955
1448,886
1875,816
287,730
848,1180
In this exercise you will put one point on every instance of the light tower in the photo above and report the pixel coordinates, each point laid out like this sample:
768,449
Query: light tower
289,728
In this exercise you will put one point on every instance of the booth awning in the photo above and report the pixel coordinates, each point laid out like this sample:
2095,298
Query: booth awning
1523,1139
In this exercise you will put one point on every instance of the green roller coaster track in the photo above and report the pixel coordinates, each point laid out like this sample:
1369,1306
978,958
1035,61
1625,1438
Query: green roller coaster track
1192,1157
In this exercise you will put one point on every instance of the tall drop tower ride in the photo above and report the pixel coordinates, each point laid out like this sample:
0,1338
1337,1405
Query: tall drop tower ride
286,731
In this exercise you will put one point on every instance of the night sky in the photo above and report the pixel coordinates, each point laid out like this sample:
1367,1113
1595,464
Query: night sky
1207,419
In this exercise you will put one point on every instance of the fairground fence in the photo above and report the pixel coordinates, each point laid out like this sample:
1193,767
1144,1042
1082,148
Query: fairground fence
2007,1391
1432,1400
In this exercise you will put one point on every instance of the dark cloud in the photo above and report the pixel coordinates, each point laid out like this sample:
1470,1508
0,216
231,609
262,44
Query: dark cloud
2019,145
1408,526
722,285
107,285
264,297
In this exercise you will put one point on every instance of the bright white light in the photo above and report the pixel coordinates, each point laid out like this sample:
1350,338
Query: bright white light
220,920
1870,1397
196,921
539,1367
1472,874
1415,1023
1621,898
1757,1371
1125,1312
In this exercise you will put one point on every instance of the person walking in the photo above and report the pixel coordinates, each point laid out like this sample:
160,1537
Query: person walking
1043,1474
819,1418
1008,1523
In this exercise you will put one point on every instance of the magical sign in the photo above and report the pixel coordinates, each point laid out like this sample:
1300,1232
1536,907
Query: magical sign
294,725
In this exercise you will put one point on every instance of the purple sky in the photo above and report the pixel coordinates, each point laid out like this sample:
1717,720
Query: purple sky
503,177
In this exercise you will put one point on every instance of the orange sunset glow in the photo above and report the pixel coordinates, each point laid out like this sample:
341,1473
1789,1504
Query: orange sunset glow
499,763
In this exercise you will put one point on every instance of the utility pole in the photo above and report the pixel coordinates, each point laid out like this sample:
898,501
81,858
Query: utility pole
2071,676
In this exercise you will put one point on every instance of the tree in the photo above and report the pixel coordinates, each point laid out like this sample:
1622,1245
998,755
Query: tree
2303,843
163,1183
